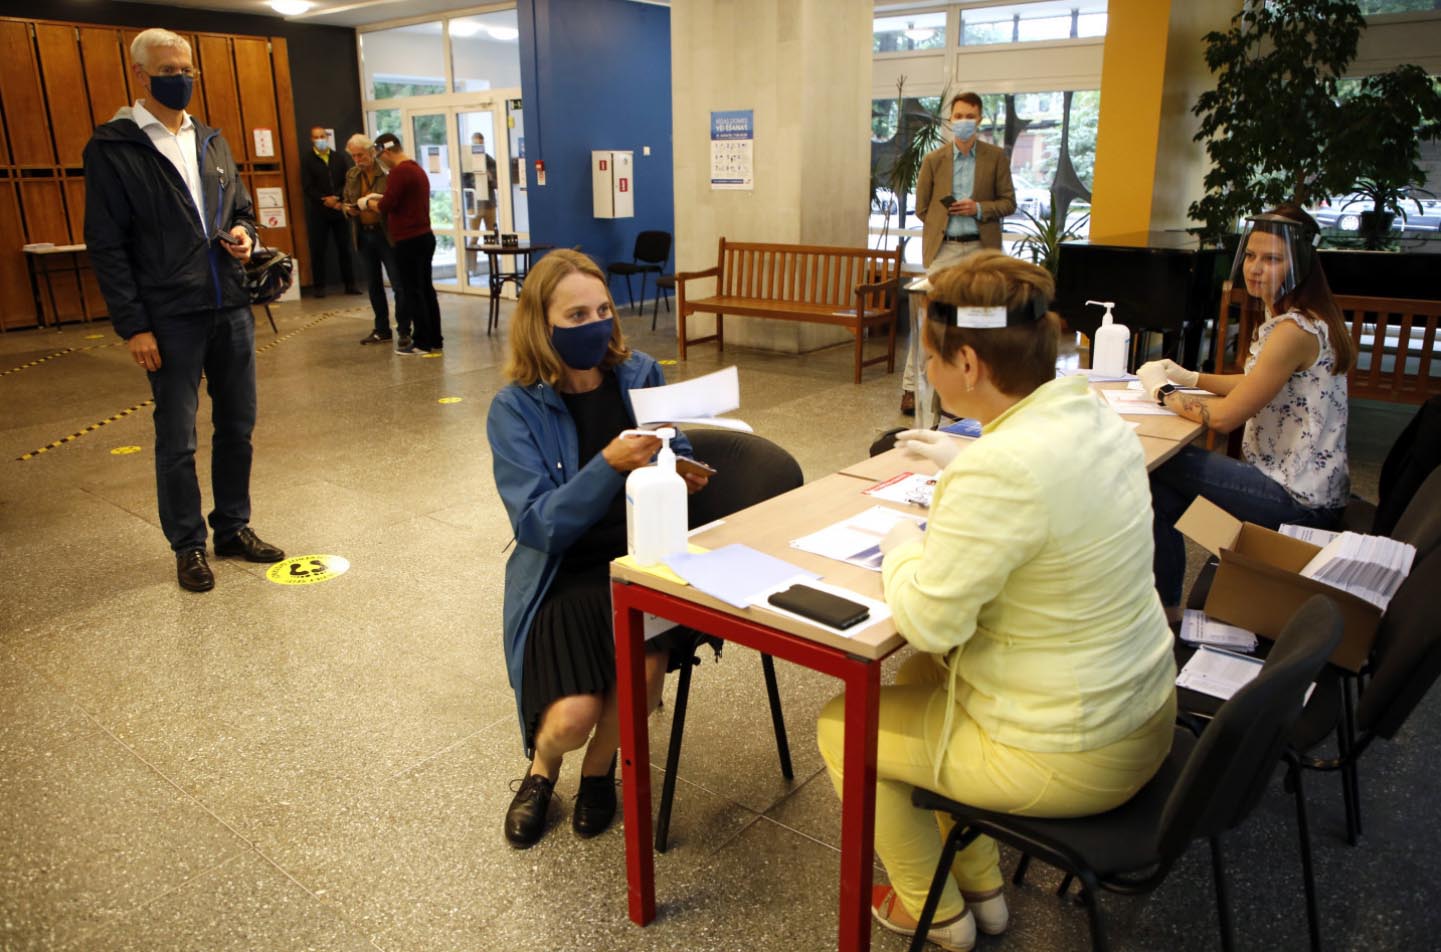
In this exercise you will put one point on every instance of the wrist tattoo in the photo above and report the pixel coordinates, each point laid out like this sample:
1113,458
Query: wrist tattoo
1199,407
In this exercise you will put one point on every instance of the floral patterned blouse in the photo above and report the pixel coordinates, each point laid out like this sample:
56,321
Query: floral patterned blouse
1299,438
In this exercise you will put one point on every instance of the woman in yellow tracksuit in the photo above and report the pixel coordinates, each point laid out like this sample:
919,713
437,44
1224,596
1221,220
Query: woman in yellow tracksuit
1044,682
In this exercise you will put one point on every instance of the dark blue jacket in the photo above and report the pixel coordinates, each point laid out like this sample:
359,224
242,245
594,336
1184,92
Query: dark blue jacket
145,241
551,499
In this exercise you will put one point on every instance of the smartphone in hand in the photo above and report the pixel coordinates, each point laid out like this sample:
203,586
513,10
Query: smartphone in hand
948,201
692,467
225,237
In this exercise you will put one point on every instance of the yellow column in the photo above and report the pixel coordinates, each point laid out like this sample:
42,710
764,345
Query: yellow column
1133,72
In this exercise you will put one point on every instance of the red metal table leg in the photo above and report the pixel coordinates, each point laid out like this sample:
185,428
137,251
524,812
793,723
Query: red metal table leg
858,803
635,754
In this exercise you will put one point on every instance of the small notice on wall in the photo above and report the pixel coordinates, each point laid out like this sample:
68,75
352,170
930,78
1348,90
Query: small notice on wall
270,207
732,149
264,144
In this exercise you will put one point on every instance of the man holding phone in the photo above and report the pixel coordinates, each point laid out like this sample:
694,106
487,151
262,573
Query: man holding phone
168,225
963,192
366,177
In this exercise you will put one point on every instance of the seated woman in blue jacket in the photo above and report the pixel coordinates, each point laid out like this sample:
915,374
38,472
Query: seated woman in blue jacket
560,466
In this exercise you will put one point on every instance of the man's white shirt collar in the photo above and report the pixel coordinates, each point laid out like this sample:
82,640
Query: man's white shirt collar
144,117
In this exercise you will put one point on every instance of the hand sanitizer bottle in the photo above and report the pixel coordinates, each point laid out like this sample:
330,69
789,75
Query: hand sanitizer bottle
1112,343
655,505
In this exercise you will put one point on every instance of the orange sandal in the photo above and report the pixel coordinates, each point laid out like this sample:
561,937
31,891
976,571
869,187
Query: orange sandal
958,935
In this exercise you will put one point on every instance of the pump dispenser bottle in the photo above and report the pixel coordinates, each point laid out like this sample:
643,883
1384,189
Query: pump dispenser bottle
655,505
1112,343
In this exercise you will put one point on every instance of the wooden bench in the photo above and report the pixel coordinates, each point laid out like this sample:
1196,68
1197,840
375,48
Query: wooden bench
854,288
1397,359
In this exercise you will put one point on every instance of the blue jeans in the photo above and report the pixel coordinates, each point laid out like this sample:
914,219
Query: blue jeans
1237,487
376,253
222,344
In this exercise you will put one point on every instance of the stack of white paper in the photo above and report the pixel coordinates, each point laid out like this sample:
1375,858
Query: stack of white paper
1218,673
856,540
1197,629
909,489
1367,566
1308,533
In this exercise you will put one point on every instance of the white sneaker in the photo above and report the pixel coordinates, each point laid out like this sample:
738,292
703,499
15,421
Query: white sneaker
957,936
991,914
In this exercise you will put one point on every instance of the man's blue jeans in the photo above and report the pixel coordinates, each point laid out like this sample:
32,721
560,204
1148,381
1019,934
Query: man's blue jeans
376,252
220,343
1237,487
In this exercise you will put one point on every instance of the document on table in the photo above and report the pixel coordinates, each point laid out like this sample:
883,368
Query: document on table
908,489
856,540
879,611
1197,629
1318,537
701,400
1096,376
1219,673
1134,403
1367,566
735,573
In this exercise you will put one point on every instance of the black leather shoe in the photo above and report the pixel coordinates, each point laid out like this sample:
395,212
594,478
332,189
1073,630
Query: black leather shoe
246,543
594,805
193,572
525,820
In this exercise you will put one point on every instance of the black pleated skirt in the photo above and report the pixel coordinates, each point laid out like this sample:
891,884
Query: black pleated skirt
571,646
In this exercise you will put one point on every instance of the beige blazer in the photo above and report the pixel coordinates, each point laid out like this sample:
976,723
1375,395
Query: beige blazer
993,192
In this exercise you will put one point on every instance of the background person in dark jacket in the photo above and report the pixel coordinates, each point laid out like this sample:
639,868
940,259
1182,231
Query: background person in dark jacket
168,223
406,207
322,178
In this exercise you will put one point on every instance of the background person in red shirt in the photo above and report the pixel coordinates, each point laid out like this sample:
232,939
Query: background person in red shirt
406,207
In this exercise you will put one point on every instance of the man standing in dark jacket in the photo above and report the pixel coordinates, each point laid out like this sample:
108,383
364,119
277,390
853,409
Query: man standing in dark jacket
322,178
168,224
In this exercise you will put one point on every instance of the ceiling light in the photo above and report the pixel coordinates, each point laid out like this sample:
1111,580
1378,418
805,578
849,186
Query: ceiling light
916,35
464,28
290,8
503,33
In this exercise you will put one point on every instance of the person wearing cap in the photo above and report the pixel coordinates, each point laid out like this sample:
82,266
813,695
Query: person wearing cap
169,225
1044,679
406,207
1291,400
976,177
367,177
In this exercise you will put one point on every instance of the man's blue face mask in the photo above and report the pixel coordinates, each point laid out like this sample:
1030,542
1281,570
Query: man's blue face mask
583,347
172,92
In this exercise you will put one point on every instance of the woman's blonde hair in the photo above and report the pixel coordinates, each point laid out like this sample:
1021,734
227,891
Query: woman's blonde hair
532,356
1020,357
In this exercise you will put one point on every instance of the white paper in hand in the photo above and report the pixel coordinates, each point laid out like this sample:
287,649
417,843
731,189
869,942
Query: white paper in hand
701,400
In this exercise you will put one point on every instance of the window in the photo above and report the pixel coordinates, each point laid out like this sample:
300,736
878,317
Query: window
404,61
1370,7
918,31
484,51
1033,22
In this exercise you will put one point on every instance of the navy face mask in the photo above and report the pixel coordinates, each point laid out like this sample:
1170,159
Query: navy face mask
172,92
583,347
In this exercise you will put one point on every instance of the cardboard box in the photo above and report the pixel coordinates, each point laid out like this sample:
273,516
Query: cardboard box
1258,585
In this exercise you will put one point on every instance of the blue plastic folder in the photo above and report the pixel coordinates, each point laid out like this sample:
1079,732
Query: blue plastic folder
964,427
734,573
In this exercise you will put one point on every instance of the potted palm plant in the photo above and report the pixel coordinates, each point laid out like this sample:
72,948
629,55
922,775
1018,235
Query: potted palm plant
1041,235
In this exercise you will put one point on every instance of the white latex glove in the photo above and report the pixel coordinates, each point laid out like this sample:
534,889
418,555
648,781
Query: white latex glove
936,447
902,532
1179,375
369,202
1153,377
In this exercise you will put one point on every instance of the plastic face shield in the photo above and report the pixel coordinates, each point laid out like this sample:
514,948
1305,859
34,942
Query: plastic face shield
1275,255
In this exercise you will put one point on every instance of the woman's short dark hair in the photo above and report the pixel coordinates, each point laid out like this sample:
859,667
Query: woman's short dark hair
1020,357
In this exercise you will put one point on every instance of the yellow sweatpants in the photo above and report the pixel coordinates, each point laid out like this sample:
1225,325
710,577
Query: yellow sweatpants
978,771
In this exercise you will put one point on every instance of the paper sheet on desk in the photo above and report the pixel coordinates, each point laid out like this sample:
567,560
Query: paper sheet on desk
856,540
734,573
1096,376
879,611
1133,403
701,400
1221,673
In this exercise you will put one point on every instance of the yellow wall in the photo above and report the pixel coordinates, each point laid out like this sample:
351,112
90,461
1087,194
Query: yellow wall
1133,72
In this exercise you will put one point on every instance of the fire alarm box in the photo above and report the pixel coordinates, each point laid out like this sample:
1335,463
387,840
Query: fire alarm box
612,176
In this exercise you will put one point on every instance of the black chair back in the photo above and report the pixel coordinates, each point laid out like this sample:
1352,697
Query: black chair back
1406,657
749,469
1414,456
1233,760
652,247
1420,523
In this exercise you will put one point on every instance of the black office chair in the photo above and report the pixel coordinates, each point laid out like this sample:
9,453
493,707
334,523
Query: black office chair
749,469
664,286
652,251
1205,787
1414,456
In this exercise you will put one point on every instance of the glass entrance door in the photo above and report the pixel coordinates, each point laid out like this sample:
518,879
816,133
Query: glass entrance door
466,152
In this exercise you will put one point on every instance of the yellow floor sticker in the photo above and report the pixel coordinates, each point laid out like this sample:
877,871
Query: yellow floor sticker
124,450
450,399
307,569
666,363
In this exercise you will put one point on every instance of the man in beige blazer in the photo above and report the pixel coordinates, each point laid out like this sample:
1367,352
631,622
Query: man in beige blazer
977,176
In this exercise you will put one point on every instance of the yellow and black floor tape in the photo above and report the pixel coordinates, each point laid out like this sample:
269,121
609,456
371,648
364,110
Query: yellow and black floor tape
79,433
59,353
139,406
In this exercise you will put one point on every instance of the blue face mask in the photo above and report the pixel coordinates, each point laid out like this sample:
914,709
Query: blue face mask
583,347
173,92
963,129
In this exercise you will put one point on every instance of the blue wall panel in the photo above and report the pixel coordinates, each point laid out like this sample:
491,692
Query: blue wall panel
596,75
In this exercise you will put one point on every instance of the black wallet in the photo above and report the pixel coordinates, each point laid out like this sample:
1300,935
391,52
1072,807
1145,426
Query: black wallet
820,606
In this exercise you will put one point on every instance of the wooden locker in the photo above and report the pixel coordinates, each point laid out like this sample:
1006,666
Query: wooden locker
256,82
17,304
45,220
222,104
24,102
64,80
104,72
94,302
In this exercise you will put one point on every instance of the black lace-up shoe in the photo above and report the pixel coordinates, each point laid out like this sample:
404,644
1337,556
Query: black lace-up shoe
246,543
525,820
594,805
193,572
